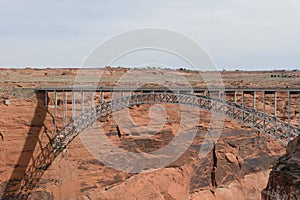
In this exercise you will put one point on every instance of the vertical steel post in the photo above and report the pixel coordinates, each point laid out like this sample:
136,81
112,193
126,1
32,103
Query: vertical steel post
64,108
102,97
82,101
254,100
264,108
289,114
275,112
92,104
264,101
73,105
55,107
221,95
242,97
275,104
46,98
234,113
235,97
254,106
112,100
243,104
92,100
299,112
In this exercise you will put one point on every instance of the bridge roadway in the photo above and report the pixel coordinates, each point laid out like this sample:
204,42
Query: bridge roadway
88,88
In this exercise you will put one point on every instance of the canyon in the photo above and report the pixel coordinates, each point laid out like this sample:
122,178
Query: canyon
237,167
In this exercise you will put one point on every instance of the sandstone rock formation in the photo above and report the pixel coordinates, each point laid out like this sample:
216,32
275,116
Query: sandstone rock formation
284,180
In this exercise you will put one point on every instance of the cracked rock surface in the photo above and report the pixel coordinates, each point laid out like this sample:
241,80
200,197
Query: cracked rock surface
284,180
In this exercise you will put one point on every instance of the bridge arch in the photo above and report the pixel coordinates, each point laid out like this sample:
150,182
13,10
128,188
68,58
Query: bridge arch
258,120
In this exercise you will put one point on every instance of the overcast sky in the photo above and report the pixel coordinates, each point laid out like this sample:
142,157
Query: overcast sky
238,34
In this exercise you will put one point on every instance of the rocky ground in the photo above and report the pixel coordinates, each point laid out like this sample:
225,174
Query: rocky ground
284,179
237,167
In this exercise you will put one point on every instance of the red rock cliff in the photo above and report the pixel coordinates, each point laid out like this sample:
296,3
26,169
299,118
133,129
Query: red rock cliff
284,180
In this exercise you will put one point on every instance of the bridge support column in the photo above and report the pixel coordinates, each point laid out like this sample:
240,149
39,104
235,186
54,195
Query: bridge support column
289,114
275,112
275,104
234,96
102,97
82,102
254,106
55,107
234,113
243,104
92,100
254,100
299,112
73,105
64,108
264,109
46,98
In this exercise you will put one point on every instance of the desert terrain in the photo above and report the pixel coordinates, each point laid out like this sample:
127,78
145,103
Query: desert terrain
242,158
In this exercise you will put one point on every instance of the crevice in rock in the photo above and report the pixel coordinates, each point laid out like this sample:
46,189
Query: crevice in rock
118,131
240,165
214,168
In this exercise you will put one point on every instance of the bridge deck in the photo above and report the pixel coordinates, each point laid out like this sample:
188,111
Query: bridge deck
160,89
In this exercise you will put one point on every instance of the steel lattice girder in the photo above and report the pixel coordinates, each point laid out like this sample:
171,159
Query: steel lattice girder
249,116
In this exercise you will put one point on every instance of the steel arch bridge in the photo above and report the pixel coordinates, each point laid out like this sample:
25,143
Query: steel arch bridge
270,124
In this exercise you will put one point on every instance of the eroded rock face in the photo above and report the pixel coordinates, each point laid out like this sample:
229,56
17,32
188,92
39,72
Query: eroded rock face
241,158
284,180
240,171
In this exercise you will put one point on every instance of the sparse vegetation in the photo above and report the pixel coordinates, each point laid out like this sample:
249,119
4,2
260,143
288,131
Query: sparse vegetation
283,75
